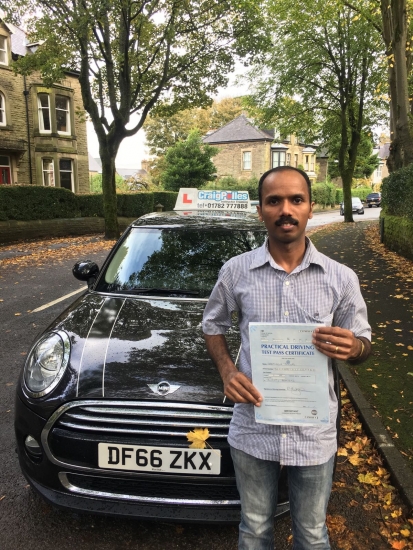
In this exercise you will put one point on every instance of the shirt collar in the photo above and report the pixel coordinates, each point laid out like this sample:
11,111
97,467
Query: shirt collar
311,256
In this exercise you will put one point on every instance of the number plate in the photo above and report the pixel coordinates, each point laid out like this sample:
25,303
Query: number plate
159,459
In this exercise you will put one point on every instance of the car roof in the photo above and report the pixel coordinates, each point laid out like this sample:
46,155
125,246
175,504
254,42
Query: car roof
204,219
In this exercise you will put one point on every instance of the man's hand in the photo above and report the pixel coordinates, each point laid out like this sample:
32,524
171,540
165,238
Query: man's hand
337,343
237,386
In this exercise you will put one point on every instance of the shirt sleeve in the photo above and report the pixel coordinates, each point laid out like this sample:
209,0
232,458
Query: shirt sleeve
217,317
352,310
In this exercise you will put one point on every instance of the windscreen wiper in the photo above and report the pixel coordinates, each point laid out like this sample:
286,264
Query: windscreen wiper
153,290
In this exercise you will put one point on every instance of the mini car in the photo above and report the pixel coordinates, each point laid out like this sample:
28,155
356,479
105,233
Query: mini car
373,199
110,390
357,206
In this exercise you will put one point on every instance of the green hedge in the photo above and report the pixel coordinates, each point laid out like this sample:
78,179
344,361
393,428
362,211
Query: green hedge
397,193
26,203
36,203
398,234
323,194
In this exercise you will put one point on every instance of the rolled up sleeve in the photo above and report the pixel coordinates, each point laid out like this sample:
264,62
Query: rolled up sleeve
217,317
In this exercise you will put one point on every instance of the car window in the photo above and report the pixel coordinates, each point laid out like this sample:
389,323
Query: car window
174,258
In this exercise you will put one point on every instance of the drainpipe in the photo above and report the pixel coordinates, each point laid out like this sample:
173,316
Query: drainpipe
26,93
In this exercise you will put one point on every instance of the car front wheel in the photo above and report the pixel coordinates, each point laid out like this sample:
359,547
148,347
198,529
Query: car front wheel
341,212
370,205
360,211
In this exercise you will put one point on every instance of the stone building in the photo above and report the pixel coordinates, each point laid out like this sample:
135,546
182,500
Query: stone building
246,151
382,151
42,130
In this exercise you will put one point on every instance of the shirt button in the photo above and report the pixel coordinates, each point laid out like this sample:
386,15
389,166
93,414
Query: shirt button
287,283
283,435
286,313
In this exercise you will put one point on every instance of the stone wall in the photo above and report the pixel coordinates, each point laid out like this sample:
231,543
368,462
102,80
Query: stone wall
15,231
229,159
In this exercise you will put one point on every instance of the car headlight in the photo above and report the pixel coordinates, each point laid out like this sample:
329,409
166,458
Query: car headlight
46,363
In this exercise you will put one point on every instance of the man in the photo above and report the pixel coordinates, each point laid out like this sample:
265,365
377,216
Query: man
285,280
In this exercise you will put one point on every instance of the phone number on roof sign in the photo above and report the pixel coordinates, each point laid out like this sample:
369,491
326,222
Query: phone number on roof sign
222,205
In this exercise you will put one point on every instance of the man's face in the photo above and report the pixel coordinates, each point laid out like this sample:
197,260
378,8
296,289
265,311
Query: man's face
286,206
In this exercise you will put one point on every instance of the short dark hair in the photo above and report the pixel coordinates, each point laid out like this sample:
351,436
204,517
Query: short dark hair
282,169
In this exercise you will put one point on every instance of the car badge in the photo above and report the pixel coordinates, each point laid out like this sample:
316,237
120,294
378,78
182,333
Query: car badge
163,388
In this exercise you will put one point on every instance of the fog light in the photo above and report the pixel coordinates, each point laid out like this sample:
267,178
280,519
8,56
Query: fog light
33,447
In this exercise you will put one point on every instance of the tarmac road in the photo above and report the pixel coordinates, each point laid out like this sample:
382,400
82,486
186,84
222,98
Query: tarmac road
25,520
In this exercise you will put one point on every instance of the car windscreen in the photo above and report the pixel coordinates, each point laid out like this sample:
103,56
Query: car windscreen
174,261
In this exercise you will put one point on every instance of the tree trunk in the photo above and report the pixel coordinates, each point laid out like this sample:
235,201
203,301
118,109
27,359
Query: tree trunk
109,193
394,17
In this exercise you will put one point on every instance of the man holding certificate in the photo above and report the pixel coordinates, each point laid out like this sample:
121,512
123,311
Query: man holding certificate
297,310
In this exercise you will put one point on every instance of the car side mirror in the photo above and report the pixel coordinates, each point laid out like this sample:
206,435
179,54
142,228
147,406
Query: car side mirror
86,270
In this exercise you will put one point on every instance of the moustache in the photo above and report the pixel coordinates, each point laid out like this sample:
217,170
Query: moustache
286,219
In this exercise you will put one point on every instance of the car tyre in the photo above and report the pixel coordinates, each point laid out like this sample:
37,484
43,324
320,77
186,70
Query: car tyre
361,212
370,205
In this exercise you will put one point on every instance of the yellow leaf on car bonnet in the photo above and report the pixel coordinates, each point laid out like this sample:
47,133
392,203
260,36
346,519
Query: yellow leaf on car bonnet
198,438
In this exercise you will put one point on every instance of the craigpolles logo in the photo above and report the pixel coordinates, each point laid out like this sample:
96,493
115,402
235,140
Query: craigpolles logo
163,388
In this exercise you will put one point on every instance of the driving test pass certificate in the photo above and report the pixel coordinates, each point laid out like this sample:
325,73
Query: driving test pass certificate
290,373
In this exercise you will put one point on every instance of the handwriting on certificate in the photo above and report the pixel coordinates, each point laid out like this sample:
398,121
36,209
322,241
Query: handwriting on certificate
290,373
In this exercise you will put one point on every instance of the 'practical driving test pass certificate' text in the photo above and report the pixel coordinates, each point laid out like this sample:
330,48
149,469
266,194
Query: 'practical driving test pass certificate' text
290,373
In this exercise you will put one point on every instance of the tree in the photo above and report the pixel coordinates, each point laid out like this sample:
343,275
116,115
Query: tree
396,27
163,130
366,162
132,54
320,77
188,164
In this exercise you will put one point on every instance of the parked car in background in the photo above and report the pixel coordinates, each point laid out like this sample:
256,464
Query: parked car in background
373,199
111,389
357,206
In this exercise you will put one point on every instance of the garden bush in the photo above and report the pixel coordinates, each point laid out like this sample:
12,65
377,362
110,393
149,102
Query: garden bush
397,193
32,202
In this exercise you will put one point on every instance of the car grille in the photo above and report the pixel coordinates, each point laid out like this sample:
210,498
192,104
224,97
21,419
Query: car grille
161,491
144,419
72,434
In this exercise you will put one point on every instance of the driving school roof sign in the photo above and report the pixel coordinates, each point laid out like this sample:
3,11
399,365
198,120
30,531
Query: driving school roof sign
208,199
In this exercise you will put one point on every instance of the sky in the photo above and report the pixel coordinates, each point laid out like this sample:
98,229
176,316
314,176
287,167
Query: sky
133,150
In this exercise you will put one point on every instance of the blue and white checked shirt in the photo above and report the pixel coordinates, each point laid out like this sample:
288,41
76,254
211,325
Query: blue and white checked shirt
318,290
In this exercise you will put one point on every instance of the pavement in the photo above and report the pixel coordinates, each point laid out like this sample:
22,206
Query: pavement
347,245
380,285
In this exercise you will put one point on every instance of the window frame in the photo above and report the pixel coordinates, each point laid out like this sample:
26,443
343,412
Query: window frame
3,109
72,182
246,162
40,110
52,171
278,153
5,50
67,111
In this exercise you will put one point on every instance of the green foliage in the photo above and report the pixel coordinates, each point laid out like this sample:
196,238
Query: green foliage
188,164
398,233
366,162
163,130
43,203
229,182
397,193
96,184
323,194
20,202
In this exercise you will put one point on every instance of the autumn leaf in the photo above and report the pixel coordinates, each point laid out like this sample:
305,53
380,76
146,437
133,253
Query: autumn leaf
368,478
356,460
342,452
381,472
388,500
398,544
405,532
374,386
198,438
396,513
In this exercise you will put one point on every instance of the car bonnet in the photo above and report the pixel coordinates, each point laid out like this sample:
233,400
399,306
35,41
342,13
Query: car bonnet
123,348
